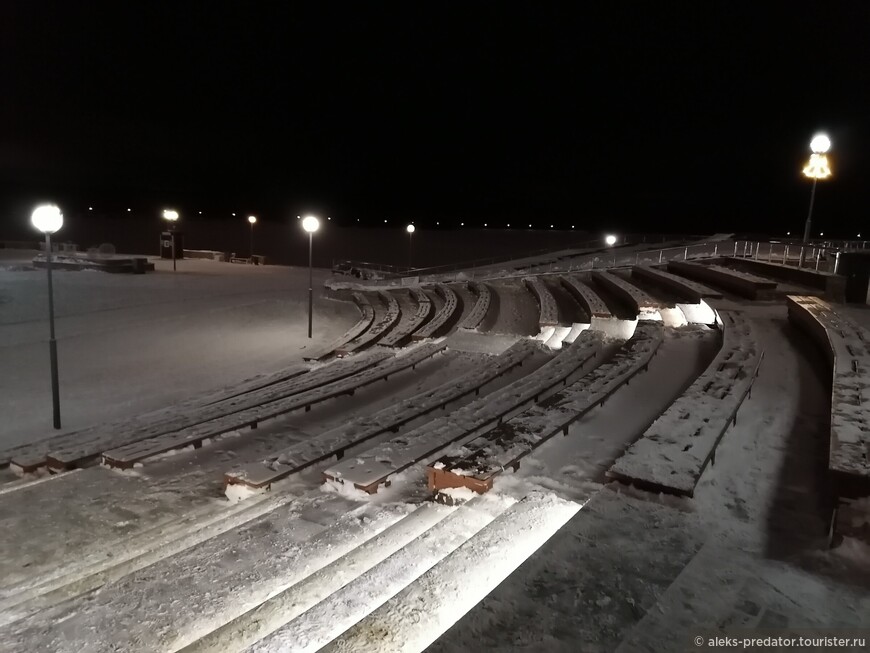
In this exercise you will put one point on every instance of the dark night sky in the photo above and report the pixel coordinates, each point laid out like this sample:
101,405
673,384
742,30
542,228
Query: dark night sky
661,116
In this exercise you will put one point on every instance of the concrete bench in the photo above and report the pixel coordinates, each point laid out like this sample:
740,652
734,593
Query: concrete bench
832,285
588,298
127,456
380,326
478,462
372,468
644,306
548,315
439,323
673,452
741,283
484,297
334,443
847,348
684,288
367,316
404,329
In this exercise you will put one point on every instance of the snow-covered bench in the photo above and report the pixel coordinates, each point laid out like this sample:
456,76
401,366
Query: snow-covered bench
481,306
548,315
405,328
475,464
644,306
685,288
88,446
381,325
436,325
127,456
588,298
742,283
832,285
367,316
374,467
335,442
674,451
847,347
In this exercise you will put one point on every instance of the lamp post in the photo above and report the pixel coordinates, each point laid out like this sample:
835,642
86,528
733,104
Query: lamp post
252,220
817,168
48,219
171,217
310,224
410,229
610,240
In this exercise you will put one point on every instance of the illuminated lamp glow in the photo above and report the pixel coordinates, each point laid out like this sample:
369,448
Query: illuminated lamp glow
47,218
311,224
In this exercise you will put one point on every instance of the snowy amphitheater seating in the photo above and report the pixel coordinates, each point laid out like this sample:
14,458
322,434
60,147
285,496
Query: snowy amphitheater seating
335,442
741,283
367,316
548,312
832,285
127,456
847,347
404,329
481,306
380,326
439,322
588,298
685,288
644,306
475,464
371,468
673,452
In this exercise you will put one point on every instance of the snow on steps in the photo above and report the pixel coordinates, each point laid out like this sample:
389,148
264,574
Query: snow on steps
479,461
674,451
127,456
560,333
333,443
423,611
404,329
549,312
644,306
182,598
686,288
847,347
381,325
588,298
742,283
311,613
28,458
448,310
82,448
481,306
367,316
374,467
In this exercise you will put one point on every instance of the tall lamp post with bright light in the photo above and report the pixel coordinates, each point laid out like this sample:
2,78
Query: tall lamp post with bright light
310,224
48,219
817,168
171,217
410,229
252,220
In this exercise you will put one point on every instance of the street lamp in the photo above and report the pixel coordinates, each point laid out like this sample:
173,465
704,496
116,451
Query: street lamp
252,220
610,240
410,229
310,224
817,168
171,217
48,219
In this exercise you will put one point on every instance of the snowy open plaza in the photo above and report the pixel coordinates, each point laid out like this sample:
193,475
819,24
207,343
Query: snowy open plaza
612,449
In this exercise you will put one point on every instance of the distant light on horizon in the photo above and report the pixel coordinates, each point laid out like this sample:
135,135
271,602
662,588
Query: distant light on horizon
610,239
90,208
47,218
128,210
234,215
170,215
310,224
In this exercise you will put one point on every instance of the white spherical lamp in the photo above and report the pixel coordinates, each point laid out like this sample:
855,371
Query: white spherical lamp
47,218
310,224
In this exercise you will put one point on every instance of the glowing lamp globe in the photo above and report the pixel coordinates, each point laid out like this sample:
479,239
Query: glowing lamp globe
310,224
47,218
411,228
252,219
172,216
610,239
820,143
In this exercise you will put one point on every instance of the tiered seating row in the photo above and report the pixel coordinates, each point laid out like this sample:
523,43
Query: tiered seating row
588,298
689,290
435,326
847,347
404,331
380,326
374,467
481,306
549,312
741,283
127,456
479,461
645,307
335,442
673,452
367,316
